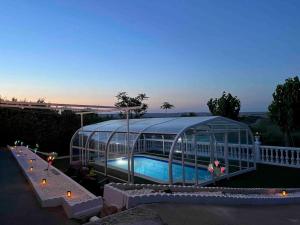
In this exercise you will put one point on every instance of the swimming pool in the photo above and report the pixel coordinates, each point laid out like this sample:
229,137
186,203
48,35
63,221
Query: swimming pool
158,169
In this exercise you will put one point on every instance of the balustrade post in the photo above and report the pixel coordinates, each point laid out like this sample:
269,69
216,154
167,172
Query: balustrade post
257,144
281,156
292,158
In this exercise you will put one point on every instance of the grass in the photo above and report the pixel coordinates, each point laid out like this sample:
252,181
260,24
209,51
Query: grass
265,176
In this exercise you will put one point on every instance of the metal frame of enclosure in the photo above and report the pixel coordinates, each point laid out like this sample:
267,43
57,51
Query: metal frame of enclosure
194,141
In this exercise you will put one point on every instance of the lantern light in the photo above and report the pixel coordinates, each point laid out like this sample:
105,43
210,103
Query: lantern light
284,193
44,181
31,169
69,194
30,160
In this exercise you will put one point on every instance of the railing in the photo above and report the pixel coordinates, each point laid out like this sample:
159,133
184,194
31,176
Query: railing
281,156
235,152
273,155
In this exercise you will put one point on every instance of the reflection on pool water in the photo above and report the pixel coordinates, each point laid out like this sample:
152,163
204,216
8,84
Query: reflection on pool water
159,169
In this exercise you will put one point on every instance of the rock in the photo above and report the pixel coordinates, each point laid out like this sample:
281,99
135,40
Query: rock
94,219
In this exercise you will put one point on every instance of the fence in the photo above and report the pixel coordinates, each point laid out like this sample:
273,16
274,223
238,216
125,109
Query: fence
272,155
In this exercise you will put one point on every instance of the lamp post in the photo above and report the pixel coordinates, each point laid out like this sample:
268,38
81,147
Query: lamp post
82,156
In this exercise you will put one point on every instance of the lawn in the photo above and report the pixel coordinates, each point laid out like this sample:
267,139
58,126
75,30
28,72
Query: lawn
265,176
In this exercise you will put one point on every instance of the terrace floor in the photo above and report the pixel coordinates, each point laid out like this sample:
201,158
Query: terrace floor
18,203
189,214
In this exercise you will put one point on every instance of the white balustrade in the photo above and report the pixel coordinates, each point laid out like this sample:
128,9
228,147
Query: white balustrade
273,155
281,156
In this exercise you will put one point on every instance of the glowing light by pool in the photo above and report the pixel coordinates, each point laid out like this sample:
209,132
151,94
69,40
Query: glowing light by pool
44,181
121,161
69,194
31,169
284,193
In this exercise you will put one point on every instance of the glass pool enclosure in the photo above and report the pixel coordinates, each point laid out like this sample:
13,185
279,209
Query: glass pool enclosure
183,147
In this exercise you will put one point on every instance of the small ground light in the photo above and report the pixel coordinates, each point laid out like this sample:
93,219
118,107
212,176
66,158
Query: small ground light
44,181
284,193
31,169
30,160
69,194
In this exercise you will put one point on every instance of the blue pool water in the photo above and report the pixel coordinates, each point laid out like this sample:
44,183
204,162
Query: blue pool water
159,169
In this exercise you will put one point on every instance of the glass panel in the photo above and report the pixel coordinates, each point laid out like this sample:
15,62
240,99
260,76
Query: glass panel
83,136
76,140
117,145
96,146
75,154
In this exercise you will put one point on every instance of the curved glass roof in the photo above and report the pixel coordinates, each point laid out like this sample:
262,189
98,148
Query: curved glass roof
169,125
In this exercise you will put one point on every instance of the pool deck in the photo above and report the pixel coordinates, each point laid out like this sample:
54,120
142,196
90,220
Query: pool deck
189,214
81,204
18,204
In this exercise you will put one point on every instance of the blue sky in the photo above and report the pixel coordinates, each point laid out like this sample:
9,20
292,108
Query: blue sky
183,51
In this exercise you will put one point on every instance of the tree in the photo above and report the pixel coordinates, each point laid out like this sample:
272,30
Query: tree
123,100
285,107
188,114
166,105
13,99
48,128
226,105
41,100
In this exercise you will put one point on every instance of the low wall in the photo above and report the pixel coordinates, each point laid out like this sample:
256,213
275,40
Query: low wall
130,195
81,204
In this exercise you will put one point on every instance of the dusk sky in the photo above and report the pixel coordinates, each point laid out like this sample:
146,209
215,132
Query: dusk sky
183,51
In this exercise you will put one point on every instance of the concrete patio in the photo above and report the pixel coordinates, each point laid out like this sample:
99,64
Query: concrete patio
189,214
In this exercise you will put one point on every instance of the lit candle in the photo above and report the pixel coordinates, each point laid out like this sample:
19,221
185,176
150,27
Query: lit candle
44,181
69,194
